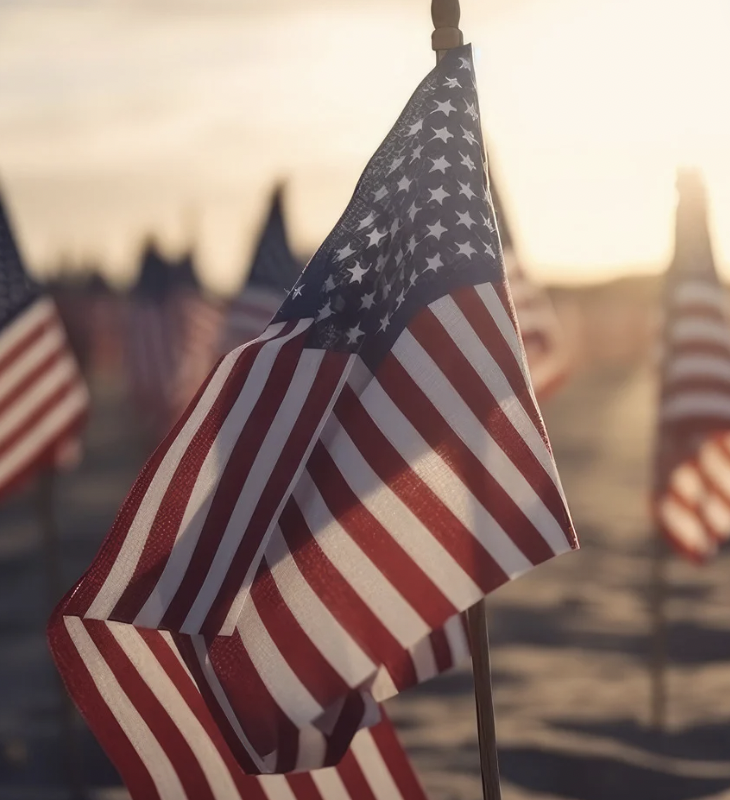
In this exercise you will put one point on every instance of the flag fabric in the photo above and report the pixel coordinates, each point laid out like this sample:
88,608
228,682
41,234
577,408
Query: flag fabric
43,398
103,314
692,471
339,491
542,337
273,272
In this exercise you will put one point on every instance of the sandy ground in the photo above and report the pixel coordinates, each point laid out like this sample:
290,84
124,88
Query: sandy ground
569,640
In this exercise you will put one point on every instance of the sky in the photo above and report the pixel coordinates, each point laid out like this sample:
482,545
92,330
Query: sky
126,118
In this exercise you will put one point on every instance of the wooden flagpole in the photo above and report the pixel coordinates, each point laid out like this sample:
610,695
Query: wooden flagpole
55,589
446,35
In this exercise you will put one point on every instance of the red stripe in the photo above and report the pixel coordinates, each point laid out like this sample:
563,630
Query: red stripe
38,372
374,540
439,435
42,327
153,712
303,786
348,723
95,711
467,383
292,454
441,650
236,470
395,759
395,472
355,780
342,600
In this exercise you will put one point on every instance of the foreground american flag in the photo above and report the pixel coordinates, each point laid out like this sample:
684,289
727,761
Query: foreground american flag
273,272
692,471
301,545
542,337
43,398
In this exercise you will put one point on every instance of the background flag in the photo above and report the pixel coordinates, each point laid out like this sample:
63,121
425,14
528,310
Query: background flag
692,476
339,490
273,272
43,398
542,337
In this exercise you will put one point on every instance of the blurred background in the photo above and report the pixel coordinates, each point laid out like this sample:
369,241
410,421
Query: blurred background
125,122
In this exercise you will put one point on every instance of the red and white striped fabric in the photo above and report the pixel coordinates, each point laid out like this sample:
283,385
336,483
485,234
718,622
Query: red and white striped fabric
542,337
43,399
340,490
692,494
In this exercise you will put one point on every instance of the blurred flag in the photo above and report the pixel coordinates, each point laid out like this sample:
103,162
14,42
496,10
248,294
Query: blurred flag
545,347
103,315
339,490
692,472
153,336
43,398
273,272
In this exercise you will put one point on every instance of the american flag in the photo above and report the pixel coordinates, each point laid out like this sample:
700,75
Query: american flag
273,272
43,398
542,337
692,471
339,490
103,313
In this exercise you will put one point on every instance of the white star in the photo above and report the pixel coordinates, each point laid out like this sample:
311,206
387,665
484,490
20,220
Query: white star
488,223
366,222
413,210
440,164
354,334
380,263
375,236
395,163
344,252
384,322
471,109
439,195
465,249
465,189
298,290
434,263
325,311
436,230
357,272
441,133
412,245
489,251
401,297
446,107
395,227
412,280
380,194
368,300
464,63
467,162
465,219
415,128
416,152
452,83
404,184
329,284
468,135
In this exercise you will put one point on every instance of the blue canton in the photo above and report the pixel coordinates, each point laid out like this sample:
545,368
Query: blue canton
17,290
419,226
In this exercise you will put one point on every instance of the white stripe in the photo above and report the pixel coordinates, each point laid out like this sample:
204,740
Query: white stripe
694,292
715,462
369,583
449,403
371,762
256,481
52,341
438,476
44,432
276,787
282,682
186,722
497,311
400,522
458,641
134,542
699,329
696,404
32,317
684,526
313,616
330,784
125,713
717,514
424,659
206,484
698,365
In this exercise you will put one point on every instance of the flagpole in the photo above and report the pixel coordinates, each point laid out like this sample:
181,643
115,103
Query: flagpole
658,663
446,35
55,589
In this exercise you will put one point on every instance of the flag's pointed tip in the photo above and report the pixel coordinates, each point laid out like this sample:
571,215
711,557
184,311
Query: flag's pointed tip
690,183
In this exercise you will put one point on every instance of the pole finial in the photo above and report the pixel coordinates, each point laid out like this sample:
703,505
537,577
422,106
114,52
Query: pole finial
445,15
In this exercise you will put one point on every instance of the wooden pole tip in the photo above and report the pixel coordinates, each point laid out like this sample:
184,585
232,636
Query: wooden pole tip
445,15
